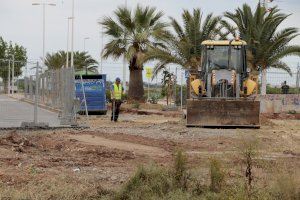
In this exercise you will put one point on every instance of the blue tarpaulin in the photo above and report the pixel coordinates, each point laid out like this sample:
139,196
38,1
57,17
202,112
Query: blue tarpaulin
94,87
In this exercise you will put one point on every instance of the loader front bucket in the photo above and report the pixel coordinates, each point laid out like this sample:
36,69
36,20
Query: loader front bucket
235,113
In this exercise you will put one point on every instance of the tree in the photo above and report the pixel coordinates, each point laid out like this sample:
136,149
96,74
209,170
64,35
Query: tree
81,60
132,34
267,43
7,52
168,82
184,48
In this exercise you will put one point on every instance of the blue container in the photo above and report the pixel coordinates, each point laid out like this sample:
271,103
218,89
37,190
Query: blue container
94,87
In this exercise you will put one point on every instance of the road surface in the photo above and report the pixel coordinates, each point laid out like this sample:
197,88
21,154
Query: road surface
14,112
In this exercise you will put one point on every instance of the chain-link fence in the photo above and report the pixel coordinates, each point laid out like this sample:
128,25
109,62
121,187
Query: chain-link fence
53,89
30,96
279,82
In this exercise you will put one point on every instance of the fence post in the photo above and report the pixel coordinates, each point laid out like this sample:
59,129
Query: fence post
25,87
68,113
181,91
36,95
47,88
52,88
31,88
8,88
175,87
43,88
298,78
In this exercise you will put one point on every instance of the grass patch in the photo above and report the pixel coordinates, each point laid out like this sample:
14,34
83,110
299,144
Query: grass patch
67,188
150,183
168,183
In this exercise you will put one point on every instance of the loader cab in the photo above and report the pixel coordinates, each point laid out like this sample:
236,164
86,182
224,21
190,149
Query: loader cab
223,68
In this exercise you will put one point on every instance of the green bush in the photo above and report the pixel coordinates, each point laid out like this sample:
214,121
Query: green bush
275,90
154,99
147,183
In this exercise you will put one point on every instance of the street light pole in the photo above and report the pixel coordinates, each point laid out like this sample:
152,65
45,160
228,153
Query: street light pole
44,32
72,36
44,25
102,44
124,63
68,33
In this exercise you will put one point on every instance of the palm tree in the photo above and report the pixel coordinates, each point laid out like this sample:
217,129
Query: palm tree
184,48
132,34
81,60
267,44
55,60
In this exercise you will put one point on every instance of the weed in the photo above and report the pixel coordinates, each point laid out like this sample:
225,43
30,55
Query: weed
216,176
181,175
136,105
147,183
292,112
248,152
286,187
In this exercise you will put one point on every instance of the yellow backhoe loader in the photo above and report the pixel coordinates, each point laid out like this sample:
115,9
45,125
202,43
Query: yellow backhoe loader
222,88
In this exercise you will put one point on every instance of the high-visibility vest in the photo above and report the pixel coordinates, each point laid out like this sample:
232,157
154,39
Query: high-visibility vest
117,91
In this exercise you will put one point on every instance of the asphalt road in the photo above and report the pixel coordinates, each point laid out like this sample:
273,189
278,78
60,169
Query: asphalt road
14,112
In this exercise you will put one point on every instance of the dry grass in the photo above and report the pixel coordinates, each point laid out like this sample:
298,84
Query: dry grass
63,187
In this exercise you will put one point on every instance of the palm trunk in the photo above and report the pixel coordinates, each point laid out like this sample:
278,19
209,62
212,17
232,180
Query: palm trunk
136,87
264,82
188,88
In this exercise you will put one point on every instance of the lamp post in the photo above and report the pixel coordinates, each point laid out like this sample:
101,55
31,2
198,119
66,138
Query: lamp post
101,46
102,43
124,63
44,24
72,35
68,39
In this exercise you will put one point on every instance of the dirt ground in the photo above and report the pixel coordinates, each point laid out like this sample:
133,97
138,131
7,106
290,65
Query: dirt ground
108,153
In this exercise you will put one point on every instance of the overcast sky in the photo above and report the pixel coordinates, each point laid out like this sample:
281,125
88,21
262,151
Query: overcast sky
21,22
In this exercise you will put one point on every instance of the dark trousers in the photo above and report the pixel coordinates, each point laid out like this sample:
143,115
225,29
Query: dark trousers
116,105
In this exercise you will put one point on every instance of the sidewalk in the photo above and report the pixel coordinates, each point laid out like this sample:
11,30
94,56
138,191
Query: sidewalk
14,112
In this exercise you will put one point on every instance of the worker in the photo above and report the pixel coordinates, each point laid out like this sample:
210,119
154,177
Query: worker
116,95
285,88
